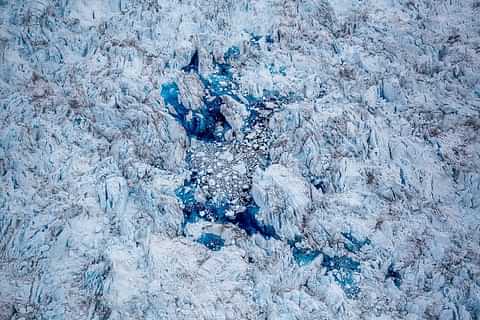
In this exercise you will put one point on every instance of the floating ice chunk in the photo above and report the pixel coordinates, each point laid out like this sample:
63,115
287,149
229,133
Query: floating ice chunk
192,91
235,113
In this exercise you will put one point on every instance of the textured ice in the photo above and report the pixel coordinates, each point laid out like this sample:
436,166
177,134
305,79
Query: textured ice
311,159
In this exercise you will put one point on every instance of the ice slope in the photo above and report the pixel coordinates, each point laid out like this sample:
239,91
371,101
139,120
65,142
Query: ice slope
267,159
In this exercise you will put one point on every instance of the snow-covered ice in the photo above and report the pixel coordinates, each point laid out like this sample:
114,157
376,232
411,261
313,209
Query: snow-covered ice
265,159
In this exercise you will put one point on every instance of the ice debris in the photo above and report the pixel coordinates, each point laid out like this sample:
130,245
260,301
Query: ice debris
239,159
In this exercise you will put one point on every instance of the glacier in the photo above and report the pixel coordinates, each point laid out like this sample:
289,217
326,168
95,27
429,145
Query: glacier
263,159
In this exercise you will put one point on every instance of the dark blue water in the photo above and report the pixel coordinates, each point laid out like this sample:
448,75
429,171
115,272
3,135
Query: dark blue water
212,210
304,256
204,123
201,123
342,269
211,241
342,262
194,63
207,123
247,221
231,54
170,94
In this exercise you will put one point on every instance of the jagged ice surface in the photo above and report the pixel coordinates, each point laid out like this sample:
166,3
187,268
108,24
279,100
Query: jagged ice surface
239,159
